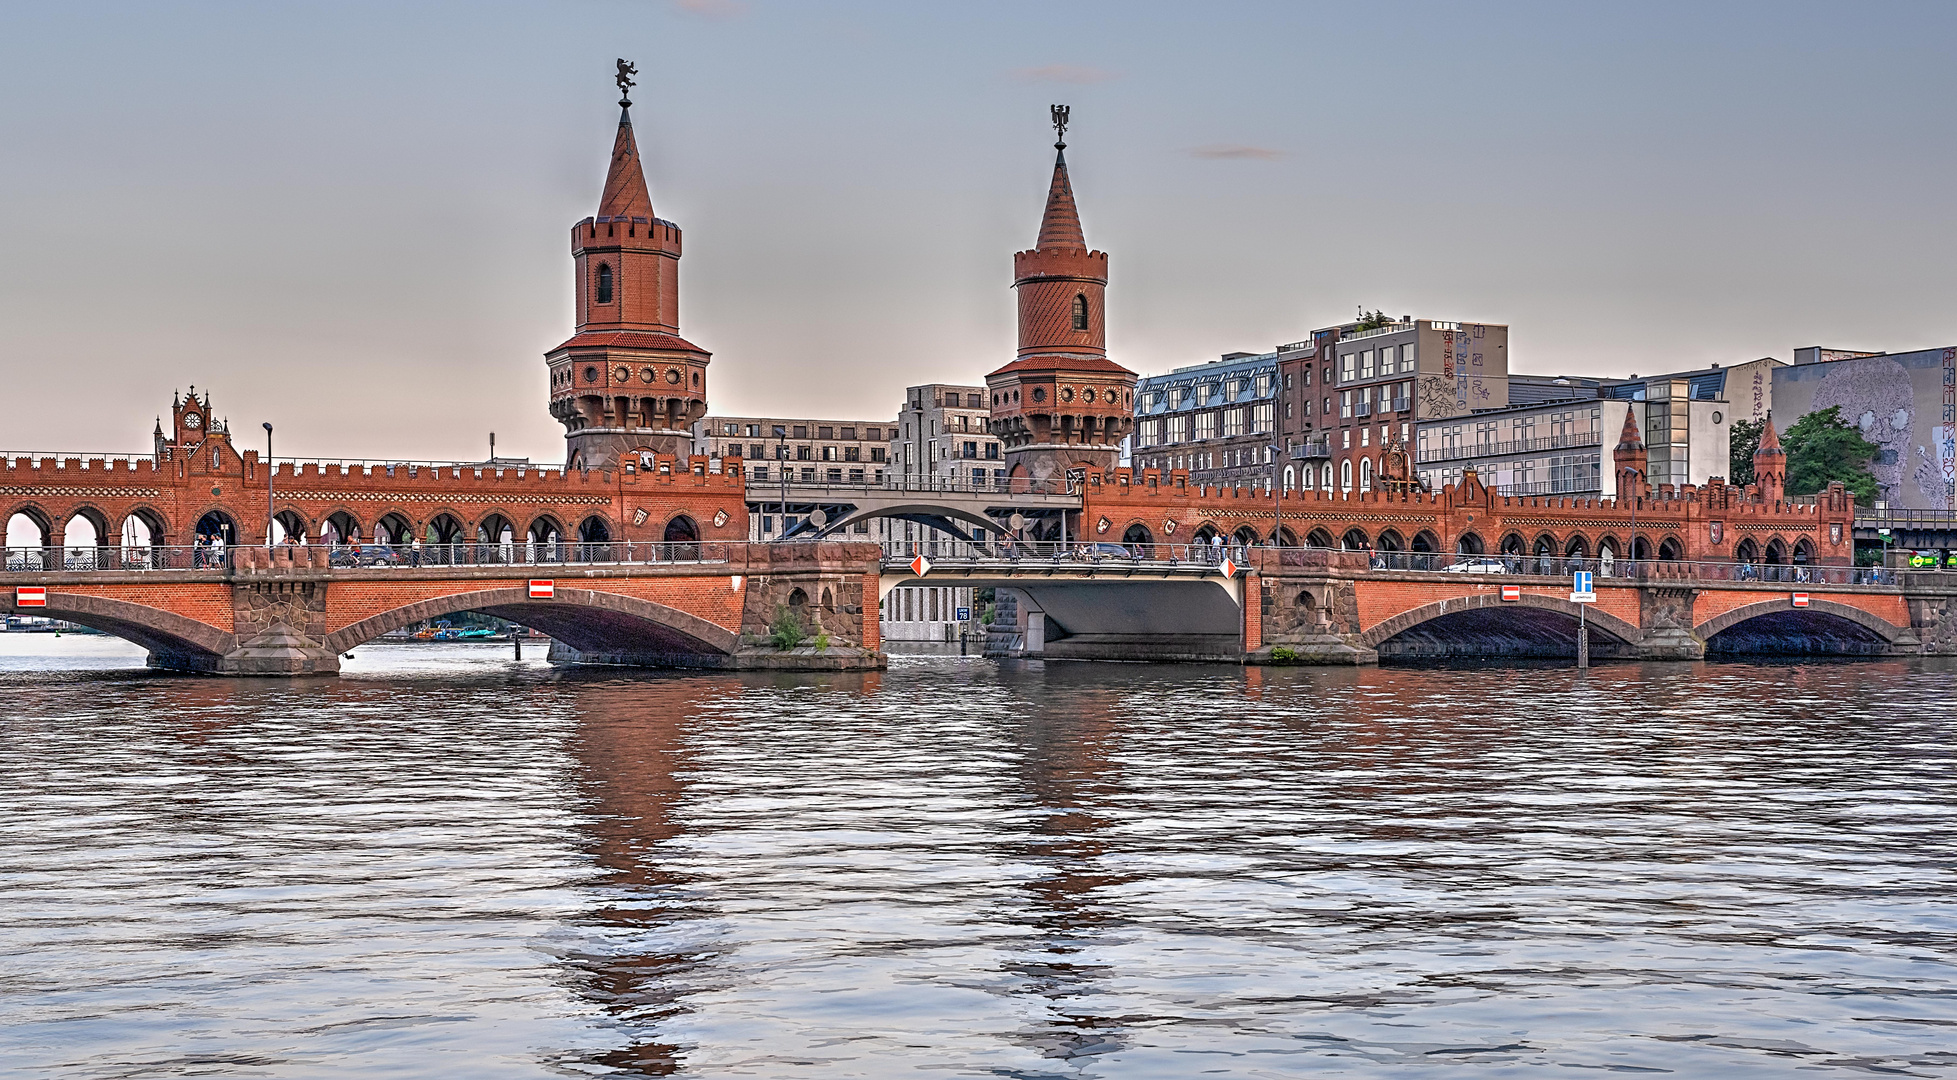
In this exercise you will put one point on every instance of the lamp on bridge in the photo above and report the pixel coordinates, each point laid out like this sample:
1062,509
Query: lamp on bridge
269,516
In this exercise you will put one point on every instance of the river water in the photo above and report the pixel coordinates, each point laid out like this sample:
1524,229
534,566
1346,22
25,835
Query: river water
449,864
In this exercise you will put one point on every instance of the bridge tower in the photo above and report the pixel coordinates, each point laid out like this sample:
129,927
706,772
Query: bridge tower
1061,403
626,382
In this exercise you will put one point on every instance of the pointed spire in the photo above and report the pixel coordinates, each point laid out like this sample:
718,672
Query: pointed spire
1060,227
1769,440
1629,438
625,181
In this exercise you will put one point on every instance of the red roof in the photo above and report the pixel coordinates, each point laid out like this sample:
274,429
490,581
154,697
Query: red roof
1099,365
630,339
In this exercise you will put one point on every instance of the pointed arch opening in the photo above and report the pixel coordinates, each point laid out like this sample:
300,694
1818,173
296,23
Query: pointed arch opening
1080,312
604,283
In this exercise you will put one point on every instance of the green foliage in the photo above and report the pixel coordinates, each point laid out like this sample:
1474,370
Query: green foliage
1282,655
822,641
1373,320
787,631
985,617
1745,439
1821,449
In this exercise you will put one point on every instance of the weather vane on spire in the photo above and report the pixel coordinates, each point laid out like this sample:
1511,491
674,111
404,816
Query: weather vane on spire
626,69
1060,126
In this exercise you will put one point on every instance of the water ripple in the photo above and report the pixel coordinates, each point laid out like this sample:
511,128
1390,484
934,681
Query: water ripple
448,863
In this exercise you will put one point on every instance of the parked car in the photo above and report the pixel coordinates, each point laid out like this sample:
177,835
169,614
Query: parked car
1098,551
355,555
1478,566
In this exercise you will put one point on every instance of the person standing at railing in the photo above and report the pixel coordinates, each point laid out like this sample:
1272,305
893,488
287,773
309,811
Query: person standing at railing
414,552
217,549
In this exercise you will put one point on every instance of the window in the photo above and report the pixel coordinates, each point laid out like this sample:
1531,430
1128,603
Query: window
975,401
971,450
804,453
1366,363
1205,425
1263,418
876,453
992,451
1365,474
808,476
1350,366
1345,404
828,453
1262,384
1345,475
1080,311
1327,411
801,431
1233,422
872,434
1345,439
758,472
730,429
1365,436
852,453
1233,387
604,283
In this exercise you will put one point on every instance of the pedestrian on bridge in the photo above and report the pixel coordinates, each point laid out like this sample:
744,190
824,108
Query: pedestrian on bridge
414,552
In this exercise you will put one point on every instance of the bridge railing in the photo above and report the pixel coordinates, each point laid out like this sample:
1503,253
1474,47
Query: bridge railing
374,556
1267,558
916,482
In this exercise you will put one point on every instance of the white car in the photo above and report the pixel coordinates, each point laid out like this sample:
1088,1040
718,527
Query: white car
1478,566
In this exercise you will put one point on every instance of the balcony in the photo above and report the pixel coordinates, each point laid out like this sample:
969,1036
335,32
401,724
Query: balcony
1402,404
1389,328
1518,446
1313,449
1364,408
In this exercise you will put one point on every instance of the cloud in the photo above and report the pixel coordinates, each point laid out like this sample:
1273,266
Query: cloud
712,9
1236,152
1077,74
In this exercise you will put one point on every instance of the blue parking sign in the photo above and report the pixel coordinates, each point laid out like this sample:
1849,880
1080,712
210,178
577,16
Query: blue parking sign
964,613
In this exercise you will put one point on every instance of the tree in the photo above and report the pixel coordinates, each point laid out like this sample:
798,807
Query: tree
1745,437
1821,448
1372,320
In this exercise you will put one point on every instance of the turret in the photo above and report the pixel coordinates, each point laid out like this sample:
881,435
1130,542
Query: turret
1061,403
626,384
1630,459
1770,464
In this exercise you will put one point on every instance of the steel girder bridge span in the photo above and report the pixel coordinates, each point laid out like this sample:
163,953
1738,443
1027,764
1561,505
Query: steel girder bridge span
1072,609
824,509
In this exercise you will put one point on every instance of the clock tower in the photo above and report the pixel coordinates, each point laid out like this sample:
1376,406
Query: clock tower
626,382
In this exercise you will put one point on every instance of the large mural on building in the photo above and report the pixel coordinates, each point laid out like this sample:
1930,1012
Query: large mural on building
1900,404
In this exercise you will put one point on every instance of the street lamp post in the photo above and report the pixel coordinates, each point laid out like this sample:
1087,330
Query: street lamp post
781,466
270,517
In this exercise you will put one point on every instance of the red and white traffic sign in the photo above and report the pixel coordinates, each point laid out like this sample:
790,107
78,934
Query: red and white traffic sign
1800,599
1511,592
543,588
920,566
31,596
1229,568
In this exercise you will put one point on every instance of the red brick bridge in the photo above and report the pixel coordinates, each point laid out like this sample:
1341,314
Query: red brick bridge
287,611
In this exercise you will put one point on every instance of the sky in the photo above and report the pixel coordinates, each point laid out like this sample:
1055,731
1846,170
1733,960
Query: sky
352,219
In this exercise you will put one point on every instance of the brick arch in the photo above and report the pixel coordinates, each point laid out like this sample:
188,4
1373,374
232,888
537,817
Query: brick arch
584,619
155,629
1875,624
904,511
156,521
35,513
1407,620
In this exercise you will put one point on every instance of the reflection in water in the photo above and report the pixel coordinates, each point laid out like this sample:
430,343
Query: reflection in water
446,863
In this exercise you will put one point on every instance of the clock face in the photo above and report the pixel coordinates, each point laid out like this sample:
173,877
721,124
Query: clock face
192,421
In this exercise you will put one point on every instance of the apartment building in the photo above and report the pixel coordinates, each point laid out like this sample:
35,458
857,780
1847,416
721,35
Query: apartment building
798,451
1559,447
941,432
1219,420
1377,383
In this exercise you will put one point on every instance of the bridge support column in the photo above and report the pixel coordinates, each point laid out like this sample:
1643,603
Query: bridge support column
1665,615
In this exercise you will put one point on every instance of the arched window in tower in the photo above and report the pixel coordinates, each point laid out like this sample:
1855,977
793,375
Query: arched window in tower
604,283
1080,311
